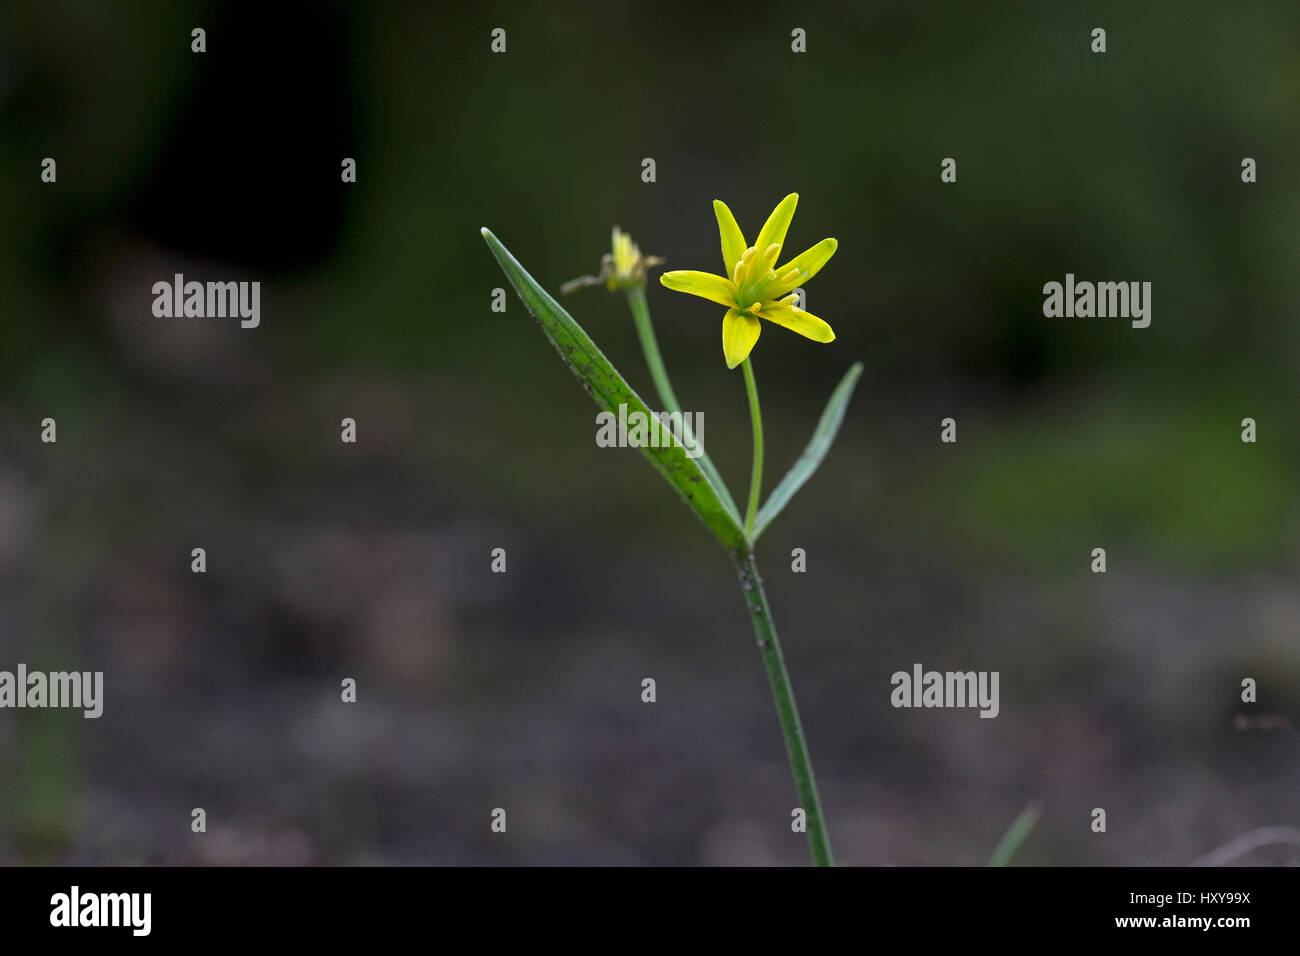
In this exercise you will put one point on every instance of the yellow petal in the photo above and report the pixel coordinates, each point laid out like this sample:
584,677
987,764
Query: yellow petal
774,229
796,320
739,333
704,284
733,240
808,263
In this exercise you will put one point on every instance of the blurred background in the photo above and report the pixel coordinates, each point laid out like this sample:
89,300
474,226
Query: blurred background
522,690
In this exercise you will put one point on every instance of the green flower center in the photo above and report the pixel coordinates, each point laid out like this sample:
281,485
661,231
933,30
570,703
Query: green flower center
756,278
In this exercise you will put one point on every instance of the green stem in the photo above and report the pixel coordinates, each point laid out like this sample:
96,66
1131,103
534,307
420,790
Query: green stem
756,475
650,346
787,711
769,646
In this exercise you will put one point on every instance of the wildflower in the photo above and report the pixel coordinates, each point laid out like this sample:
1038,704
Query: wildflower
754,287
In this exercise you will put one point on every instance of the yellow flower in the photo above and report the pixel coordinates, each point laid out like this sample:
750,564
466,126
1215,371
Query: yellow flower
622,268
627,259
757,287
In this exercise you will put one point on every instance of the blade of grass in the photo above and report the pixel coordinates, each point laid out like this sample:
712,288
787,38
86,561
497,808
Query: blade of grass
1016,834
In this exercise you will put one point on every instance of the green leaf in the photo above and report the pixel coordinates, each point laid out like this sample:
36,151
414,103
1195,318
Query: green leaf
812,456
609,390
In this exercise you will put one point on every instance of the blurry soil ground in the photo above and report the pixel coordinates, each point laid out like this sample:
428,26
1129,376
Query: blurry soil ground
522,690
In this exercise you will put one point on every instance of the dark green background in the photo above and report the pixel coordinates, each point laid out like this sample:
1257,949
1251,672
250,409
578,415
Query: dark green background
522,690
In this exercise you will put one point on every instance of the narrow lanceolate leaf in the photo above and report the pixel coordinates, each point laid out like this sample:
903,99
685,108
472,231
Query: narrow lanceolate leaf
609,390
812,456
